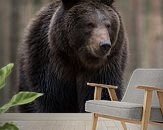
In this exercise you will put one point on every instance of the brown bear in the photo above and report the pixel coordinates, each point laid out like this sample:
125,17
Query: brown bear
70,43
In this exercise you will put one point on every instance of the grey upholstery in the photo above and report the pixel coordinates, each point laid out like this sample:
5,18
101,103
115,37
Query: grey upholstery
131,111
131,105
146,77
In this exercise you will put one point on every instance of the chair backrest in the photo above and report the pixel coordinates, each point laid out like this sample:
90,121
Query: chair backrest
146,77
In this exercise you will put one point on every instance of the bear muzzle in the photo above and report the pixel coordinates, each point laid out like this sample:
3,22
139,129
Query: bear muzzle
105,46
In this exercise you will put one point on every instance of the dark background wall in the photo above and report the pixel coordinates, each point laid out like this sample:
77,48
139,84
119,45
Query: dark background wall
143,20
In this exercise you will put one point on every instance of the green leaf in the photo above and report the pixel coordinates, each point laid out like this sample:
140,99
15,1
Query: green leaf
20,99
8,126
4,73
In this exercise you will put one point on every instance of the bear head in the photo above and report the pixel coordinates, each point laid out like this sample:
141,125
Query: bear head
85,29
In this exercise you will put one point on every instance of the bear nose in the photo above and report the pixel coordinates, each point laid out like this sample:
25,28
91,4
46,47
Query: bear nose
105,45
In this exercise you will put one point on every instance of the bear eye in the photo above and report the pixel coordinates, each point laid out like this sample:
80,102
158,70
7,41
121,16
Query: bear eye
108,25
91,25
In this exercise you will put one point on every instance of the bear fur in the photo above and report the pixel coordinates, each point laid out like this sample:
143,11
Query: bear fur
60,53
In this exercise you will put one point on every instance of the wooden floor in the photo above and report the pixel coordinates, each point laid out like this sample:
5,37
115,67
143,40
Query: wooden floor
58,122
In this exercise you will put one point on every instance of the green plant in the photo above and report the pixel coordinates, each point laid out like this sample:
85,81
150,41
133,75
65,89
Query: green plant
19,99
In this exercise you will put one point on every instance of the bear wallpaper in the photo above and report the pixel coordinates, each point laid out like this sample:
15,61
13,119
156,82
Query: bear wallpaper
40,37
68,45
65,53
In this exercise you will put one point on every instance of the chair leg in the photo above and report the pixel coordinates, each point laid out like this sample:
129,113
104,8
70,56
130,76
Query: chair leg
94,122
144,126
146,110
124,125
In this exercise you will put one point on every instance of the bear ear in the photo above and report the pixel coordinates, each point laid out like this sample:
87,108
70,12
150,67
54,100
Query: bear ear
69,3
108,2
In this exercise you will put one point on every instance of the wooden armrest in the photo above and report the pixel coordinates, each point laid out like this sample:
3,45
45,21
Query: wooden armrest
102,86
148,101
148,88
98,90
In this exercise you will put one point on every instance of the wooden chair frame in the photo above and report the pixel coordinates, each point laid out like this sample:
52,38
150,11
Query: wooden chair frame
146,107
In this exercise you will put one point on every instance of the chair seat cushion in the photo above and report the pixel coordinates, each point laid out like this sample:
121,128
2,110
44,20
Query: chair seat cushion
131,111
